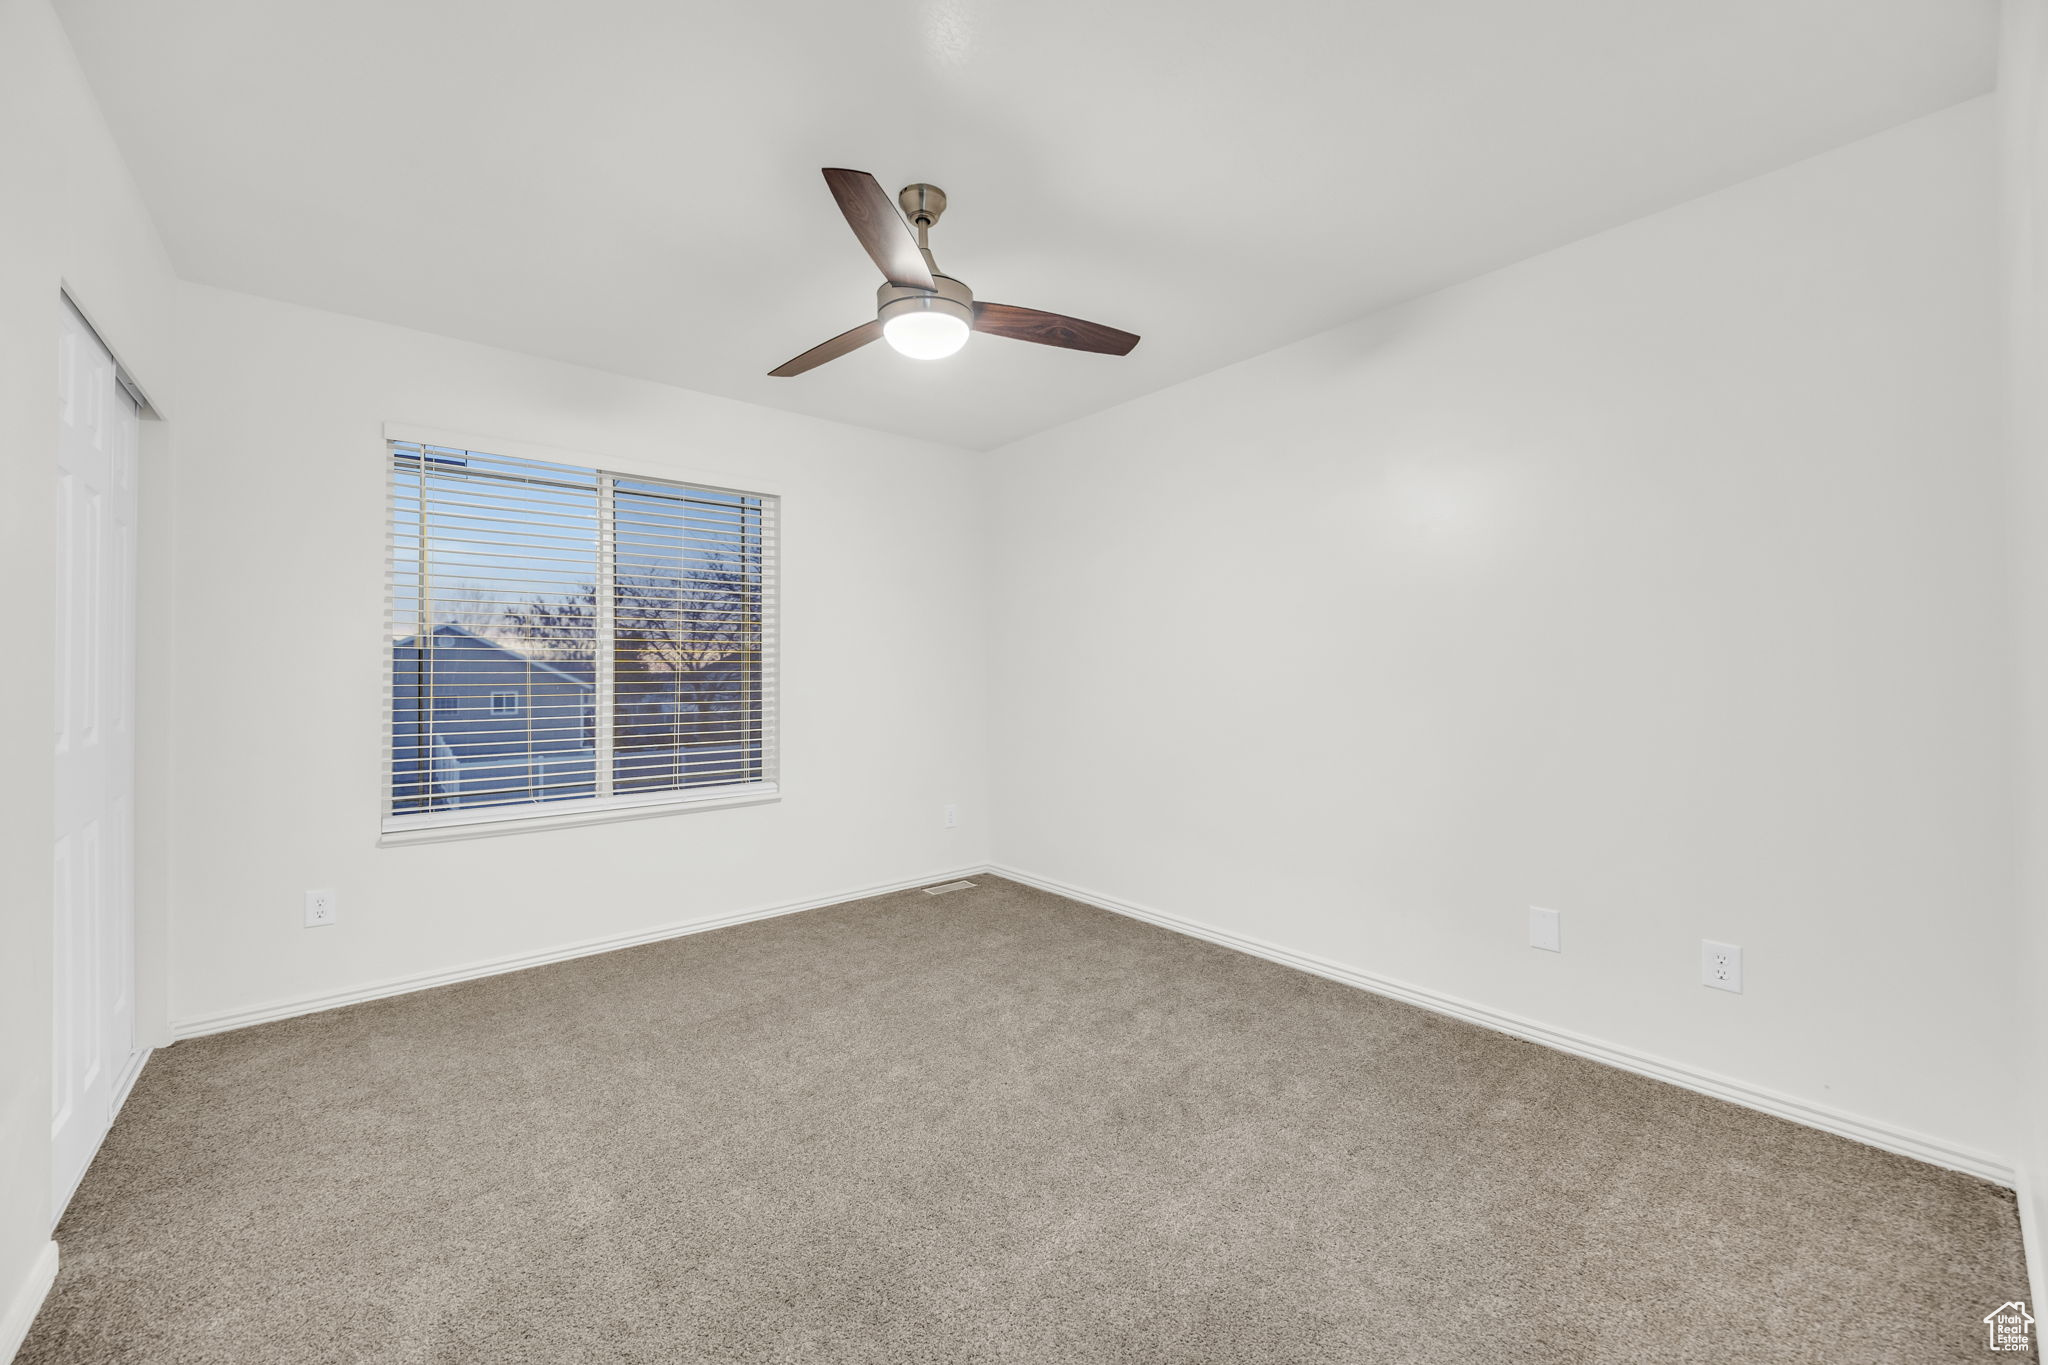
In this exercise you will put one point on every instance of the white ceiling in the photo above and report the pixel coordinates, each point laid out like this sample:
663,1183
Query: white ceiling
633,184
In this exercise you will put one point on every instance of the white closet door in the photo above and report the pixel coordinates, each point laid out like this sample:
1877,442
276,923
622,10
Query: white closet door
94,985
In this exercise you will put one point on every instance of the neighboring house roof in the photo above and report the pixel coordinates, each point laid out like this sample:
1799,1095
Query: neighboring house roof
566,672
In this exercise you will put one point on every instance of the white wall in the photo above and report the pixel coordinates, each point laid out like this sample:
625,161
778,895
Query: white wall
2023,105
280,605
69,215
1659,580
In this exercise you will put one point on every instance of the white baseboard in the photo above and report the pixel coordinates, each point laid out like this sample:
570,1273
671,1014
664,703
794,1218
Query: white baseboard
27,1302
124,1086
2028,1191
1871,1132
201,1025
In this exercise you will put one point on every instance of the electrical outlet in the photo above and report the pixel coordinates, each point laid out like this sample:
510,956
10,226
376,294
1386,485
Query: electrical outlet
321,908
952,816
1543,930
1720,966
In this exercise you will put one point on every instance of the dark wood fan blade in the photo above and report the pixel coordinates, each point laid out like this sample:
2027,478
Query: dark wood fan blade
1051,329
872,216
829,350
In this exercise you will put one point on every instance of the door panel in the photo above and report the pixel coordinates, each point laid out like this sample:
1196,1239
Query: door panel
93,883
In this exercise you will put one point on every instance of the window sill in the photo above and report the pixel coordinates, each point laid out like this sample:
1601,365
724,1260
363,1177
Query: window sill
447,826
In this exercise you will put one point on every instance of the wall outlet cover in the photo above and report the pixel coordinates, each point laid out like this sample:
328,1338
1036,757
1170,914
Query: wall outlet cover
1721,966
321,908
1543,930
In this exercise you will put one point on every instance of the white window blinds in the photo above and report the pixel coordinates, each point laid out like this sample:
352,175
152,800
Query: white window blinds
564,638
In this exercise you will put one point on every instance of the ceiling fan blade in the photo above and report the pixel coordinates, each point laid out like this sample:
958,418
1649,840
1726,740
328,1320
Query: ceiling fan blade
1051,329
829,350
872,215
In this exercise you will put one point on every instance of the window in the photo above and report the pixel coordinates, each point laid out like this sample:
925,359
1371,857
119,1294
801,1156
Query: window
566,639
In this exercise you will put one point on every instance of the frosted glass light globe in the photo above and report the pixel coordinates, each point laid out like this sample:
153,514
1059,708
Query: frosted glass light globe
925,335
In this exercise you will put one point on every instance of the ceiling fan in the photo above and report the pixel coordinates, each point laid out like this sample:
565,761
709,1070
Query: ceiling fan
920,312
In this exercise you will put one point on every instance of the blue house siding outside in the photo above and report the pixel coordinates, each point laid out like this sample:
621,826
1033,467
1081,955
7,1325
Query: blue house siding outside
475,723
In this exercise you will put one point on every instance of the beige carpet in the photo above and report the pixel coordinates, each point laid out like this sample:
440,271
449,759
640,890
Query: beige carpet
988,1126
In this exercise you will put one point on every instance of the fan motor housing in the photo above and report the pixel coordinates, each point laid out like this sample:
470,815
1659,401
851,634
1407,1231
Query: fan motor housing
921,203
893,300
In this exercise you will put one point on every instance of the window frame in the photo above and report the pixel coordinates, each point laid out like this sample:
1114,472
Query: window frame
511,708
483,821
